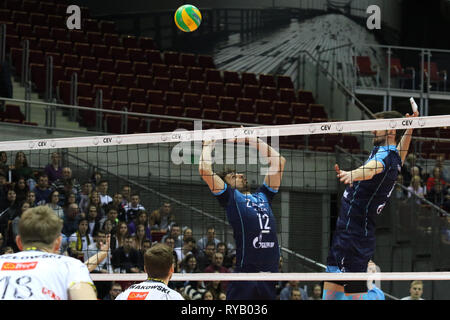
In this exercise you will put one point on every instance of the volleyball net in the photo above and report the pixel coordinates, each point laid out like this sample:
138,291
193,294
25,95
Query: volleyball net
162,168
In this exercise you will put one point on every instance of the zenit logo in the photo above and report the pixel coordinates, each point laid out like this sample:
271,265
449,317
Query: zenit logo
137,295
18,266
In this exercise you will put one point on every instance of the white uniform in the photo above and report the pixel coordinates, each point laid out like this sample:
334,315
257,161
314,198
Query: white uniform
39,275
149,290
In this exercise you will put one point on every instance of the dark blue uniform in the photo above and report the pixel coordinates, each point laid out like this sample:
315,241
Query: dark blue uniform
255,234
354,239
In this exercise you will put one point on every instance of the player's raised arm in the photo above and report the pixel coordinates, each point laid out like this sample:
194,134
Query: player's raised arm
365,172
276,163
403,145
214,182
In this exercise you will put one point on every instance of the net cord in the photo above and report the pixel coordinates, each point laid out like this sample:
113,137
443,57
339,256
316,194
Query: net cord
229,133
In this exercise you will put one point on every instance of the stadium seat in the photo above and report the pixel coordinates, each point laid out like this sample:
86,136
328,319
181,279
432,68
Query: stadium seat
301,119
160,70
167,125
199,87
210,114
77,36
305,96
209,102
300,109
180,85
90,25
156,97
120,105
19,16
36,56
435,76
216,88
58,34
139,107
118,53
173,98
146,43
58,74
141,68
213,75
284,82
129,41
206,61
123,66
136,54
12,41
42,32
46,44
245,105
133,124
112,40
287,95
126,80
37,72
42,7
119,93
107,27
267,80
249,78
90,76
187,125
265,118
233,90
251,92
56,56
192,112
269,93
282,119
161,83
13,111
231,77
228,115
247,117
13,4
88,118
88,62
70,71
227,103
317,112
195,73
108,78
33,42
281,107
94,38
401,73
84,89
24,29
65,47
156,109
175,111
137,95
106,91
171,58
63,90
100,51
177,72
56,21
263,106
154,56
191,100
113,123
188,60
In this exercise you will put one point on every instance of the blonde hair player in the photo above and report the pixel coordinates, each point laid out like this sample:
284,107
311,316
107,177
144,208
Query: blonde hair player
38,272
369,188
159,265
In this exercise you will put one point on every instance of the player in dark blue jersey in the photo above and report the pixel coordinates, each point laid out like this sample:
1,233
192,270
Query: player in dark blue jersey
251,217
370,187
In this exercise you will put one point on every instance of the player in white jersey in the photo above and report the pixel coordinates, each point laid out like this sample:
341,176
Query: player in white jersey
38,272
158,263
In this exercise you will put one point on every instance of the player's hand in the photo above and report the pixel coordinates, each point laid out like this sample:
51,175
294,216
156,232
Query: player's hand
415,114
344,176
207,143
105,246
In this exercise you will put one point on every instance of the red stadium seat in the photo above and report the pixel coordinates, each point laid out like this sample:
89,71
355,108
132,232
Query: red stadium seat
282,119
285,82
88,62
126,80
216,89
112,39
123,66
245,105
137,95
251,92
154,56
90,25
88,117
57,59
173,98
281,107
227,103
160,70
106,92
177,72
156,97
171,58
64,47
161,83
175,111
70,60
269,93
37,72
317,111
118,53
191,100
100,51
265,118
287,95
90,76
42,32
247,117
119,93
113,123
156,109
56,21
249,78
231,77
209,102
146,43
108,27
206,61
300,109
19,16
213,75
228,115
188,60
210,114
77,36
120,105
233,90
267,80
263,106
94,38
199,87
195,73
305,96
136,55
192,112
141,68
130,41
108,78
24,29
138,107
144,82
70,71
13,111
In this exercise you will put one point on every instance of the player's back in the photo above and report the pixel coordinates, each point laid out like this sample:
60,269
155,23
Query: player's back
149,290
39,275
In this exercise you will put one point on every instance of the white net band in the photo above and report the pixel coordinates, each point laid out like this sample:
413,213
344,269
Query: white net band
229,133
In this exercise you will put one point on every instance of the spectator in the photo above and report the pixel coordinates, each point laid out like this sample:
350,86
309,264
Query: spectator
400,193
65,181
118,239
81,242
4,167
410,168
9,209
42,190
162,218
210,237
436,178
2,241
3,187
440,163
70,198
22,169
216,264
125,259
415,291
170,242
102,189
194,290
105,265
207,295
445,230
416,188
296,294
53,170
316,292
126,194
31,198
24,206
93,221
115,290
223,249
189,264
85,195
141,219
437,194
206,259
21,188
286,292
216,288
187,233
117,205
94,200
71,219
186,249
96,177
111,215
140,237
133,208
52,202
107,227
175,232
7,250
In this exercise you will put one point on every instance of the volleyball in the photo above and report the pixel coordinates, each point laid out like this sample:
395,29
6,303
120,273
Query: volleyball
188,18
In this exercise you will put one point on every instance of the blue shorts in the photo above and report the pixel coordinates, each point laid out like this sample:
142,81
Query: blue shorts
251,290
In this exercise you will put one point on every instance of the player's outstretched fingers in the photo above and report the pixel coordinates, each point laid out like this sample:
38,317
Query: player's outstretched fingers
336,167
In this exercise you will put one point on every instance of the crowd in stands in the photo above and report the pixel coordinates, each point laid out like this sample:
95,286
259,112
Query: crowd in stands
90,213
